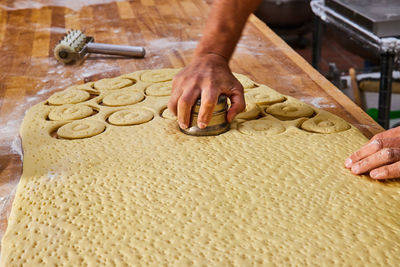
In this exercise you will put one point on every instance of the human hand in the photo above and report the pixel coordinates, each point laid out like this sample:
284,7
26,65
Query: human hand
207,76
380,156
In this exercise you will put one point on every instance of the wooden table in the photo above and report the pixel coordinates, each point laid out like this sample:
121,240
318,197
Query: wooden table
169,29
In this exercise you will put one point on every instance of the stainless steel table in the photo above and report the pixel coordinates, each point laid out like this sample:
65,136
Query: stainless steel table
371,24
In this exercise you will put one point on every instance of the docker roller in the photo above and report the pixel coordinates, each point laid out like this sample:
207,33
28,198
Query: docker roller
75,45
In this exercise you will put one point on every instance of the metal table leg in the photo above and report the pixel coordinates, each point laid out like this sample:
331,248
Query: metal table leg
385,89
316,41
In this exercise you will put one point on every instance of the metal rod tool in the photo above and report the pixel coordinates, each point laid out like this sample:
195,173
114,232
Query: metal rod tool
75,45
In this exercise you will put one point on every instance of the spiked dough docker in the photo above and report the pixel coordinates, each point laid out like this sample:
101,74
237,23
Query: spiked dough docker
75,45
218,123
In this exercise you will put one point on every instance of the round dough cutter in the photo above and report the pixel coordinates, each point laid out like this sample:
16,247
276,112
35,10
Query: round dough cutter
218,123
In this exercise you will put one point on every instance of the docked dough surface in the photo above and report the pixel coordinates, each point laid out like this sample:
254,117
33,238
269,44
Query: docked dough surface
123,186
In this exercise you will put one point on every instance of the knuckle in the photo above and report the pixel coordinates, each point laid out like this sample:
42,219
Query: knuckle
387,153
239,87
205,116
208,103
241,106
358,154
364,162
378,143
185,100
385,171
183,103
171,106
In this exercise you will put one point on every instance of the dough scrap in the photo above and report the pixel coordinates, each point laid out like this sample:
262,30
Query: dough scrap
112,83
70,112
266,192
252,111
81,129
290,110
245,81
159,89
263,95
71,96
130,117
326,123
122,98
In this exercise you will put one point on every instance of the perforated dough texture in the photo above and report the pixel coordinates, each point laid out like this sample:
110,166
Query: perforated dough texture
269,193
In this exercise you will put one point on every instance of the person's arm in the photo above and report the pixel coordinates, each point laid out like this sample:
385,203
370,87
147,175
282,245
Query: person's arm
380,156
209,75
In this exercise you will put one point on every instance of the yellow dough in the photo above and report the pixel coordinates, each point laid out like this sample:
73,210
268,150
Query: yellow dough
266,193
81,129
263,95
156,76
167,114
245,81
325,122
112,83
71,96
70,112
130,116
89,87
264,126
251,112
122,98
159,89
290,110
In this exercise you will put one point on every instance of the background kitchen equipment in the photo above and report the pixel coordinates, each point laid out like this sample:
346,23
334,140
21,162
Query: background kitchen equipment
290,19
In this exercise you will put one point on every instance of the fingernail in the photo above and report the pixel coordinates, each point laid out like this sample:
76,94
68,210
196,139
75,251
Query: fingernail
202,125
377,174
355,169
348,162
182,126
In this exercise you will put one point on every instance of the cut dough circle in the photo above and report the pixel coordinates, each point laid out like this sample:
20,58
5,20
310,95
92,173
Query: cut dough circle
252,111
325,123
130,117
159,89
72,96
263,95
156,76
122,98
264,126
290,110
70,112
244,80
81,129
167,114
89,87
112,83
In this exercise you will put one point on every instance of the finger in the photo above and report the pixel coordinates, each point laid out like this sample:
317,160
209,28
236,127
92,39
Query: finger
209,99
392,133
236,96
175,95
237,105
386,172
368,149
185,103
371,147
382,157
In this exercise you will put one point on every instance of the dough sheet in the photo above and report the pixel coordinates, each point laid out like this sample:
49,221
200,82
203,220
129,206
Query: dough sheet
139,192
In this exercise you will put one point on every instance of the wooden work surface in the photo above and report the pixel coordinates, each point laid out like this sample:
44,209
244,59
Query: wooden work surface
168,29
